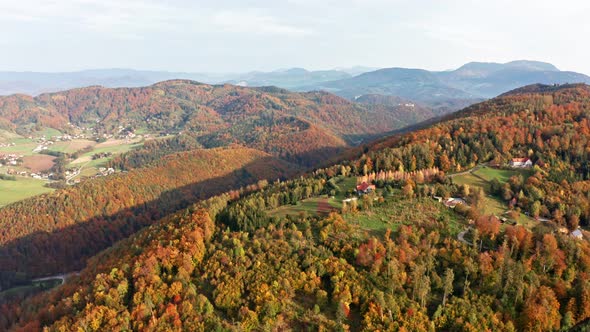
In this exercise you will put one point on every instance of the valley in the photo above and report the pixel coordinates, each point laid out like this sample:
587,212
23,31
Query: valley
31,166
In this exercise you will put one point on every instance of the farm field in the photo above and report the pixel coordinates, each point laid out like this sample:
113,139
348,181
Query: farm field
22,146
7,136
391,213
72,146
38,162
25,187
321,205
502,175
90,166
493,205
395,211
13,191
313,206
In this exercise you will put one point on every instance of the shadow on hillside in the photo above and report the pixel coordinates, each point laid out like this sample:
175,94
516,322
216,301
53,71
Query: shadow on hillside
41,253
316,158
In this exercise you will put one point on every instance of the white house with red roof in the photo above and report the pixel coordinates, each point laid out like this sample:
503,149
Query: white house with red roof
521,163
365,188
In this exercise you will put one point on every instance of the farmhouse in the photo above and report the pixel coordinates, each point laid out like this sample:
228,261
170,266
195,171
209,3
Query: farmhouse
577,234
521,163
365,188
452,202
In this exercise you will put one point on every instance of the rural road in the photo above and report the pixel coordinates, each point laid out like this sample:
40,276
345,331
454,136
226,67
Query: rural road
78,171
61,277
471,170
461,236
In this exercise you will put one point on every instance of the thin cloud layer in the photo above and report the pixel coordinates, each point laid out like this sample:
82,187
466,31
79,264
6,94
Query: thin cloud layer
232,35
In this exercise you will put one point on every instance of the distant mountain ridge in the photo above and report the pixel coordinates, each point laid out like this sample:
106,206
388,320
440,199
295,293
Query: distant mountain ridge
471,82
35,83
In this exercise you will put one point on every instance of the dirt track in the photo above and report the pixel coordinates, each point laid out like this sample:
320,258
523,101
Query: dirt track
324,207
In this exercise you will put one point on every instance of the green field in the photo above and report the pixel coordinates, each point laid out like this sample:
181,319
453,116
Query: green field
7,136
13,191
344,184
71,146
115,149
22,146
24,187
90,166
307,206
397,210
47,133
503,175
493,205
310,206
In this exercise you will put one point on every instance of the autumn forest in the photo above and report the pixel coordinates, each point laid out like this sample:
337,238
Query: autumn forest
267,210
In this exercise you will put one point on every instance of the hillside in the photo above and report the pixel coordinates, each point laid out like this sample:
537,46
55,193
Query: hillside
458,88
298,255
319,123
548,124
57,232
413,84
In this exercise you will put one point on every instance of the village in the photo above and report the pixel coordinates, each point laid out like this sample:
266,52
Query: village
37,163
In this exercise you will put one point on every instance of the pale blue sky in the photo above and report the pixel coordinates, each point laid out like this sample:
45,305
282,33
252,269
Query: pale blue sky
244,35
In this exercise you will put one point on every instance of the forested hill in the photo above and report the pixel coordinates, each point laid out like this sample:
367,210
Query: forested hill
394,259
57,232
217,115
548,124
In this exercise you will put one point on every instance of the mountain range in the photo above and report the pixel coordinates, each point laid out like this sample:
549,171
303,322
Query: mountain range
465,85
452,90
35,83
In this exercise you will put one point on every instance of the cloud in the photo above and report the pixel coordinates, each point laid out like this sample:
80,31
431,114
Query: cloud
256,23
107,16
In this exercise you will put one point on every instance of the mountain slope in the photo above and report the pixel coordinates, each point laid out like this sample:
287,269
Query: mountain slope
413,84
398,260
214,115
57,232
492,79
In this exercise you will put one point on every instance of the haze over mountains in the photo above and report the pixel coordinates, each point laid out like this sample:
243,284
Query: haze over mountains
475,80
452,89
34,83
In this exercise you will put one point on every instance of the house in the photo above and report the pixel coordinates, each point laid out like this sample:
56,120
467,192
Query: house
577,234
365,188
452,202
521,163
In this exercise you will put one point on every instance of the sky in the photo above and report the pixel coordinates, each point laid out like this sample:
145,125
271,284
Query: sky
245,35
